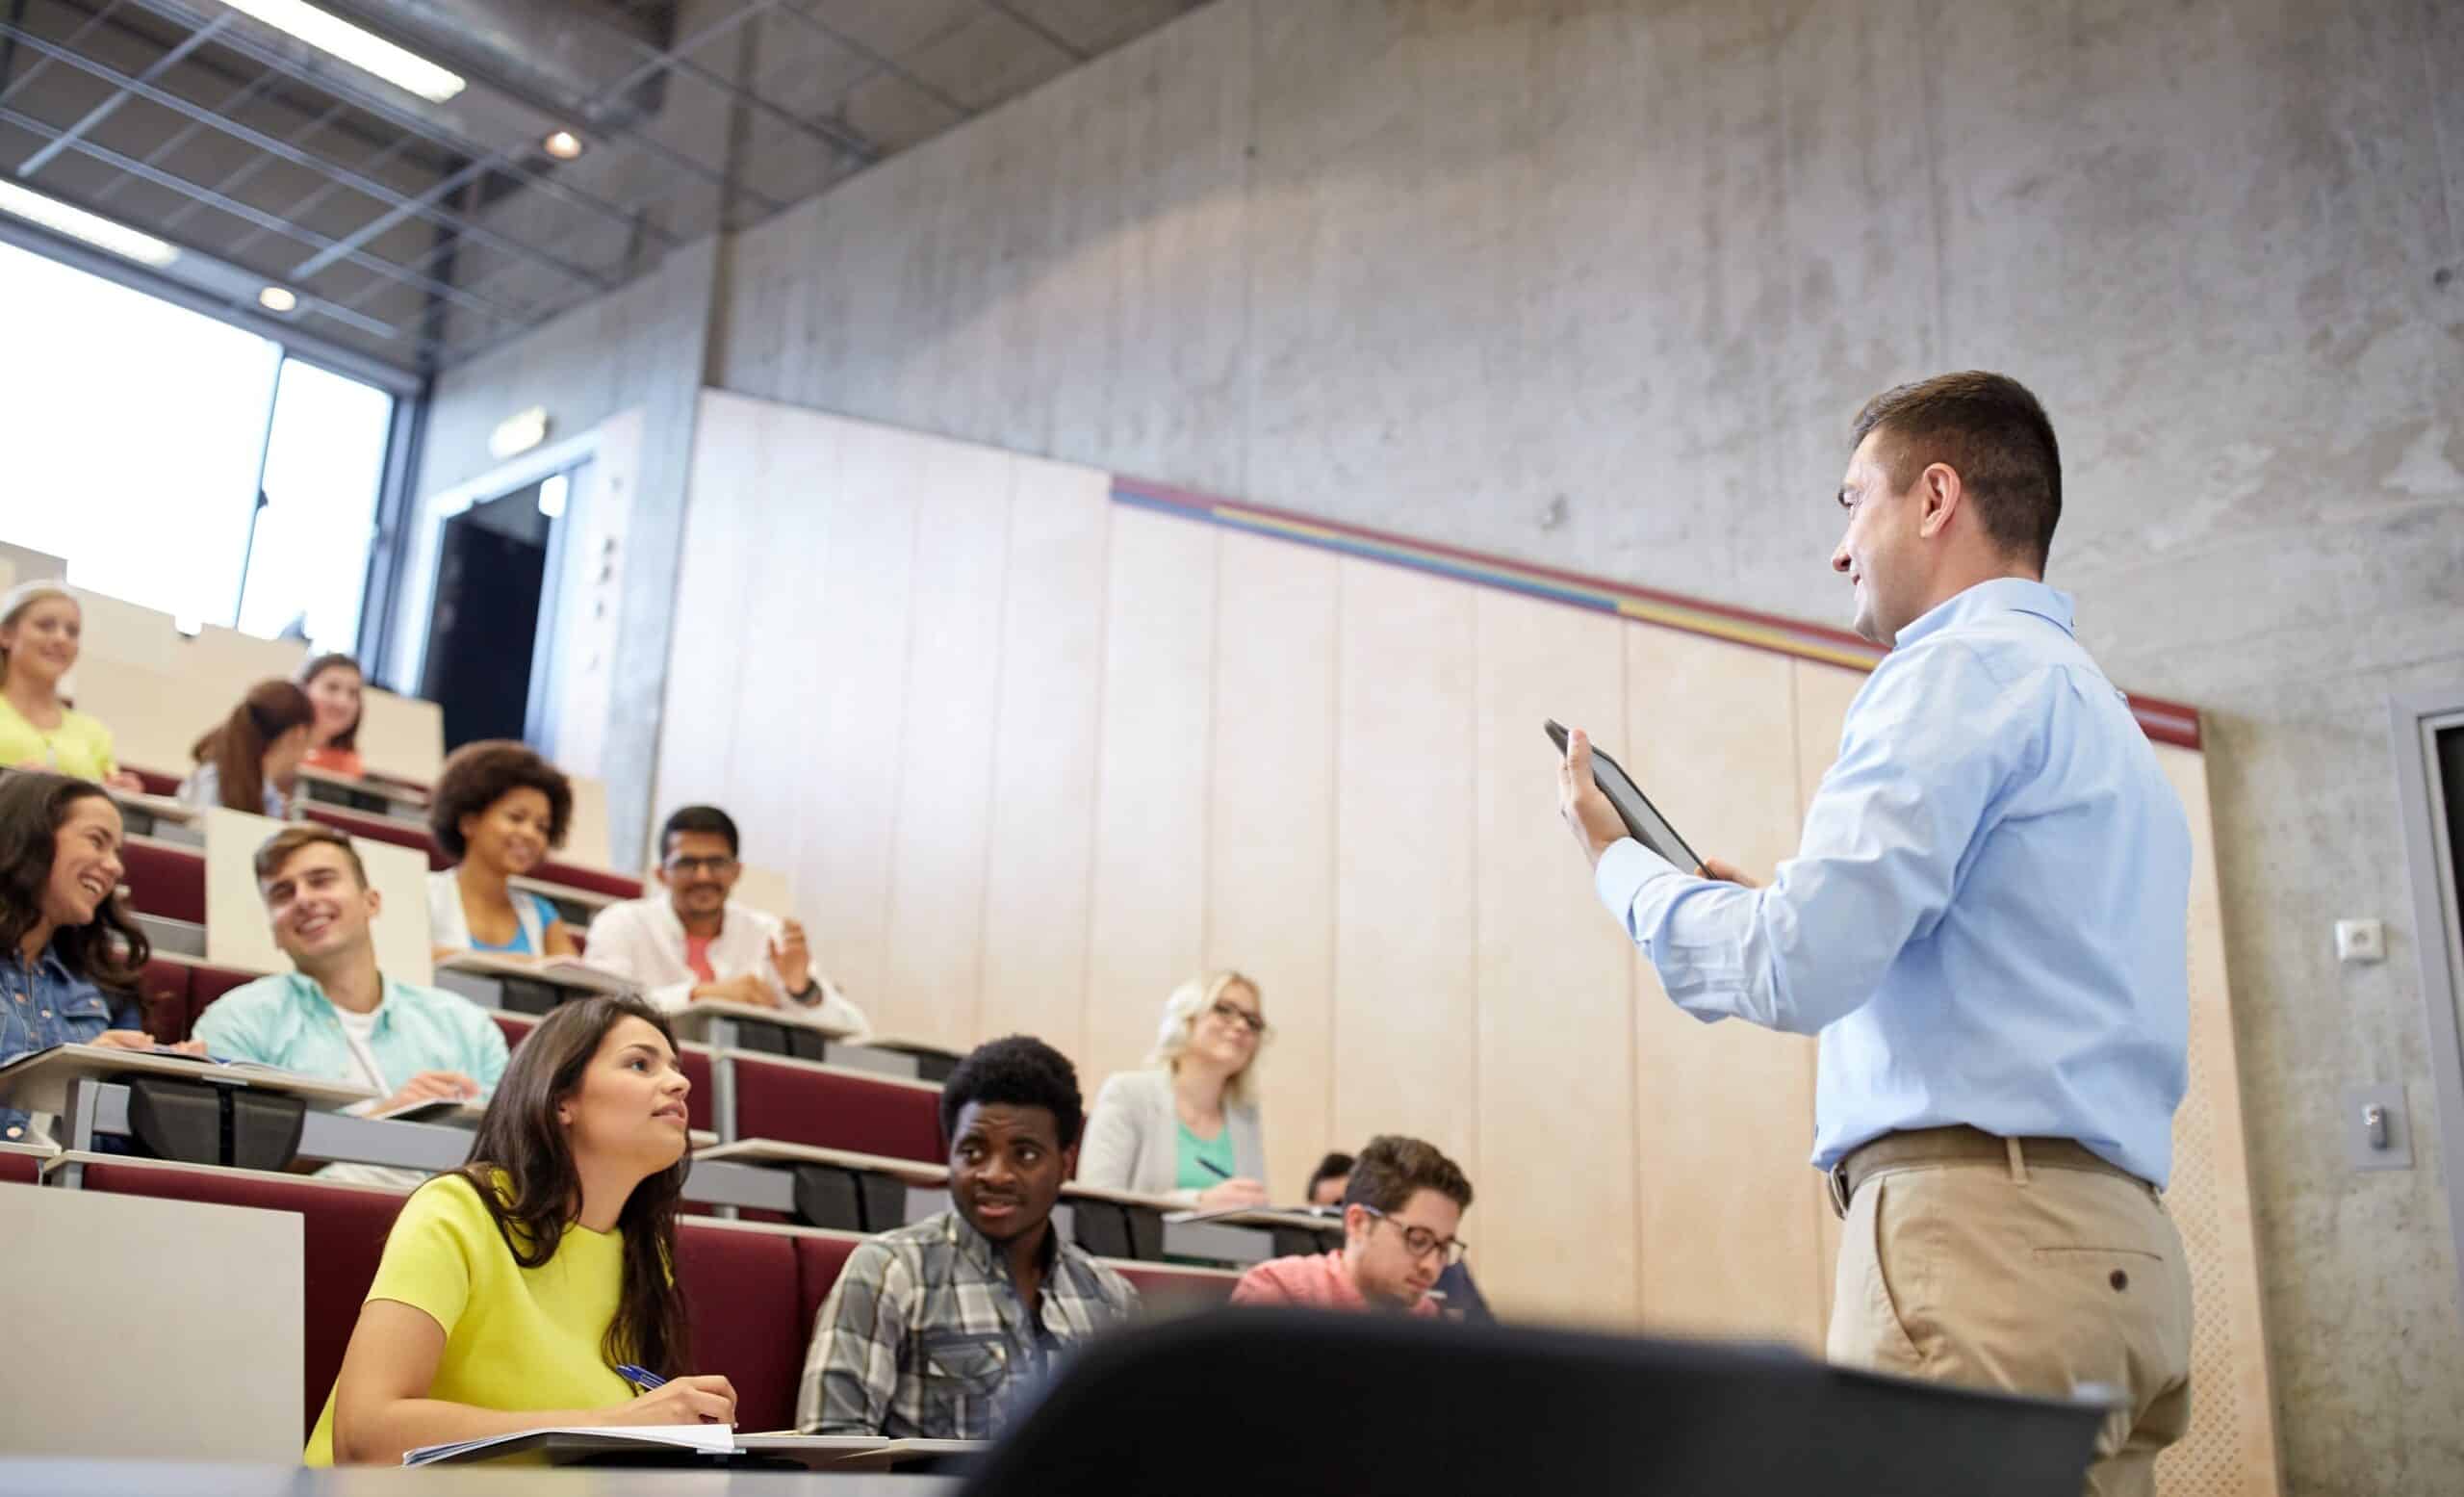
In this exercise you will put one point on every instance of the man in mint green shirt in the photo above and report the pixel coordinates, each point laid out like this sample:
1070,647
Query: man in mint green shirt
337,1016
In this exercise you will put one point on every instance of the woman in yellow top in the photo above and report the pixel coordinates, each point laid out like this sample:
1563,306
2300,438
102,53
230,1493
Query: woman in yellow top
40,623
512,1289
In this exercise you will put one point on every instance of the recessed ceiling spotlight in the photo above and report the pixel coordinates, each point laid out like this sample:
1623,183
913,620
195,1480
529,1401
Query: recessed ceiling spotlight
278,298
564,145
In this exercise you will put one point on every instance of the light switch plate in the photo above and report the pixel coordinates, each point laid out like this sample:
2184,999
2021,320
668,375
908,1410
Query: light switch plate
2354,1125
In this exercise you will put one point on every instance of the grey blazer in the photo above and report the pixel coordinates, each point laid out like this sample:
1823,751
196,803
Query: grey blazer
1133,1138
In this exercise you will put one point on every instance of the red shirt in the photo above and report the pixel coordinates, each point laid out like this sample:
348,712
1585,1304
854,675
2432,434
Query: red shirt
1311,1278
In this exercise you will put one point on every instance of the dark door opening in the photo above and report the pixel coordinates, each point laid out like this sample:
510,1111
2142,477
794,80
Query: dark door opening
484,624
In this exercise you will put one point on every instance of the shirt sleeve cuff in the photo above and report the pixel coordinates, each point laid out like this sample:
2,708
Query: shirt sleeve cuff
1625,870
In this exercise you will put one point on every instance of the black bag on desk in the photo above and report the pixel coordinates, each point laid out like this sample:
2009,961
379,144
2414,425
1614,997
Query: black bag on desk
199,1123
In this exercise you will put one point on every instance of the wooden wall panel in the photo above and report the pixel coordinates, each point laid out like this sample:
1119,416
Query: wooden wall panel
2230,1448
954,612
1729,1241
1555,1172
1271,844
706,694
850,781
1405,900
1040,854
1149,922
1822,693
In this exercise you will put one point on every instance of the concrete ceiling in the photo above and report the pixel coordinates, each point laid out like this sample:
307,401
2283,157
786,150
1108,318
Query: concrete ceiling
419,233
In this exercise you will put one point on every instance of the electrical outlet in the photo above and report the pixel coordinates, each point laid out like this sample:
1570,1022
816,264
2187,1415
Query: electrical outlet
2377,1134
2361,940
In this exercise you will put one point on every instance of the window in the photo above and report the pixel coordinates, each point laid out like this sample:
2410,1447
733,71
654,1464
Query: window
134,437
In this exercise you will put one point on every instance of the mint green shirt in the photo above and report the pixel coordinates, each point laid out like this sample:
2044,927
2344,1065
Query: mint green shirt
287,1021
1191,1149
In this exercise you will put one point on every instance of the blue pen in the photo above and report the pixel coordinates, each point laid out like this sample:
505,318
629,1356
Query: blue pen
641,1378
1219,1172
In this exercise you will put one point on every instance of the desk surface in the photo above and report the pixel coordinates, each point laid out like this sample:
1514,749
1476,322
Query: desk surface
696,1019
21,1477
556,971
764,1151
395,790
39,1082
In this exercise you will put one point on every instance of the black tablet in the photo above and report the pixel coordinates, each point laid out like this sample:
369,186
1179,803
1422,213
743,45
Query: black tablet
1643,820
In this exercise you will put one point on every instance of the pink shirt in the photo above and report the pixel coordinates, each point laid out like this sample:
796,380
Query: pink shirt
697,956
1311,1278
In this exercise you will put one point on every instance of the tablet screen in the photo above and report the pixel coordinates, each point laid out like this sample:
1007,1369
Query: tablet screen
1643,820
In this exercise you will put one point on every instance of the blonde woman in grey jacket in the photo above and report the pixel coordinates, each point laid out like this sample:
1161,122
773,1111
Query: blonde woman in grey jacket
1186,1126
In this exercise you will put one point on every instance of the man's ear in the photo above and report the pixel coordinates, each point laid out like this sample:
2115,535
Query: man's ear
1940,492
1069,1160
375,901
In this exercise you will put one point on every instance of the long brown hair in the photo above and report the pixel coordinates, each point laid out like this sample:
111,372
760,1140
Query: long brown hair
349,737
108,948
519,1138
237,749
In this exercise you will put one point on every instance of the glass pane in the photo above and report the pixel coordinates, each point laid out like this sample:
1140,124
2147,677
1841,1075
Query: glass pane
324,462
129,433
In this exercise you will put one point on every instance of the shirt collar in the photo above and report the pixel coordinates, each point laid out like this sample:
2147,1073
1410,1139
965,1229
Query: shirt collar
1997,595
49,965
310,993
978,1249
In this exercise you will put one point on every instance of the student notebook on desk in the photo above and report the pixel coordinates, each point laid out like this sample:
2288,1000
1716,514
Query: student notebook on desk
1643,821
688,1445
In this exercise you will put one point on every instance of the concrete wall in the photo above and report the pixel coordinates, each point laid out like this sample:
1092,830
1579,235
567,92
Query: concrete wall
642,346
1433,266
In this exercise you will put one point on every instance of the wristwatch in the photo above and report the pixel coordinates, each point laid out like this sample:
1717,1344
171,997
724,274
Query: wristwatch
810,990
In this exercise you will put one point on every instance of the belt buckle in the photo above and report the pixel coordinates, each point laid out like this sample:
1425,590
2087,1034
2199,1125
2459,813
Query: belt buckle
1835,1179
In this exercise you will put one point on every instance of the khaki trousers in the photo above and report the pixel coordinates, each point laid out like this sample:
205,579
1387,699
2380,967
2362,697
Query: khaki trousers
2029,1281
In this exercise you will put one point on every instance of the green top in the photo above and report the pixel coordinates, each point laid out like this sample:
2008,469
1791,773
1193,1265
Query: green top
1192,1173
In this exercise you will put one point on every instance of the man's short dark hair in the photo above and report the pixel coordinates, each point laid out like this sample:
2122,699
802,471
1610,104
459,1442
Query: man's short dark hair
477,775
1995,434
1022,1072
1392,1167
698,819
1334,1167
279,849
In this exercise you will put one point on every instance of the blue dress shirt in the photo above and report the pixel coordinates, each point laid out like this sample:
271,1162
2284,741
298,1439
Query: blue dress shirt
1988,922
42,1006
286,1020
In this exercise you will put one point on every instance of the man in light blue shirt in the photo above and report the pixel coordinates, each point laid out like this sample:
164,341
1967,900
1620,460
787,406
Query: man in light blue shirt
338,1016
1987,924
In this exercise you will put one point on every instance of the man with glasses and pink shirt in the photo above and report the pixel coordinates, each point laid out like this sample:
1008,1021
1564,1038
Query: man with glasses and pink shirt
1400,1212
696,943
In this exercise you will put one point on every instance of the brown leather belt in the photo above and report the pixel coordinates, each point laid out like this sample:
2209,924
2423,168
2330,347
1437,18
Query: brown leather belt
1961,1144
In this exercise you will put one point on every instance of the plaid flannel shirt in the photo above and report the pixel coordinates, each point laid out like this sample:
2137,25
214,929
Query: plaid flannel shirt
924,1336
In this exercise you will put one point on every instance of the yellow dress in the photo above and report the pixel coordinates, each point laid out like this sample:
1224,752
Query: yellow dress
80,745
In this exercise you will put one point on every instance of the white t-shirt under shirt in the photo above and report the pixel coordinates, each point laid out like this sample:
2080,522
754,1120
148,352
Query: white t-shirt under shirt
357,1030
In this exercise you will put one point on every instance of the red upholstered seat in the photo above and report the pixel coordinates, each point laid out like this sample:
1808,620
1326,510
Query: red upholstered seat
820,1258
800,1102
157,782
382,829
209,983
739,1286
17,1169
163,989
616,886
342,1237
166,881
517,1027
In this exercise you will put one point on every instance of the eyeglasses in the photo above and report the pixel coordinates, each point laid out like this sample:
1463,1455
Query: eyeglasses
687,867
1232,1013
1419,1242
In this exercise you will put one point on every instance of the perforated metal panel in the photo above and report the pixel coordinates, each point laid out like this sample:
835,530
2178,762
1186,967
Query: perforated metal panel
2231,1449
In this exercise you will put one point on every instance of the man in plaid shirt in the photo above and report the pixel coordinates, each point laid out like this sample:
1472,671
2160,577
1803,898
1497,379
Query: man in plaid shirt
934,1331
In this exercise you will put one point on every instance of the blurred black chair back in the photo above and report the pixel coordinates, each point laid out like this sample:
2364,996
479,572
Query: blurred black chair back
1272,1402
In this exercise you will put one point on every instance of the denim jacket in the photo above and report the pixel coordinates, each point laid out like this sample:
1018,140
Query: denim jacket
44,1006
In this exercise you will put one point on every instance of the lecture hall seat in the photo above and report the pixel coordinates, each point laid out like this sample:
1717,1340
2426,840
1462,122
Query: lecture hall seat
207,984
802,1103
821,1256
17,1169
165,881
163,992
739,1284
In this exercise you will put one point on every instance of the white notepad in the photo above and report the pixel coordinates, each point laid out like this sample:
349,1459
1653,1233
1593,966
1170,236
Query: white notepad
713,1439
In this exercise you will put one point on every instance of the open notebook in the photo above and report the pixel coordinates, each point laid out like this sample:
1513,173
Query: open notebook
715,1439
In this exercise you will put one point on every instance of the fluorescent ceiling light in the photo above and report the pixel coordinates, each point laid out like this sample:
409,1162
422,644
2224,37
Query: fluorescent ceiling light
77,224
361,49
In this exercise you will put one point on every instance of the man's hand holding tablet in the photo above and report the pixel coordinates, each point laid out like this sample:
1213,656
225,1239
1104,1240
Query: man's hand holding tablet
1600,818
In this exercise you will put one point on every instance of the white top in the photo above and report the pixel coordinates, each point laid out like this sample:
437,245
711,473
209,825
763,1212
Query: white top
1133,1136
449,926
642,940
357,1030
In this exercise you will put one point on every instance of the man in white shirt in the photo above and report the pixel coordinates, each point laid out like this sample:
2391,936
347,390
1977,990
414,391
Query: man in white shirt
696,943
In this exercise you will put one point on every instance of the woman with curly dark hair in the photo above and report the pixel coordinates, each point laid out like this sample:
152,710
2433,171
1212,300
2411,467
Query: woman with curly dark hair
63,933
534,1286
496,810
